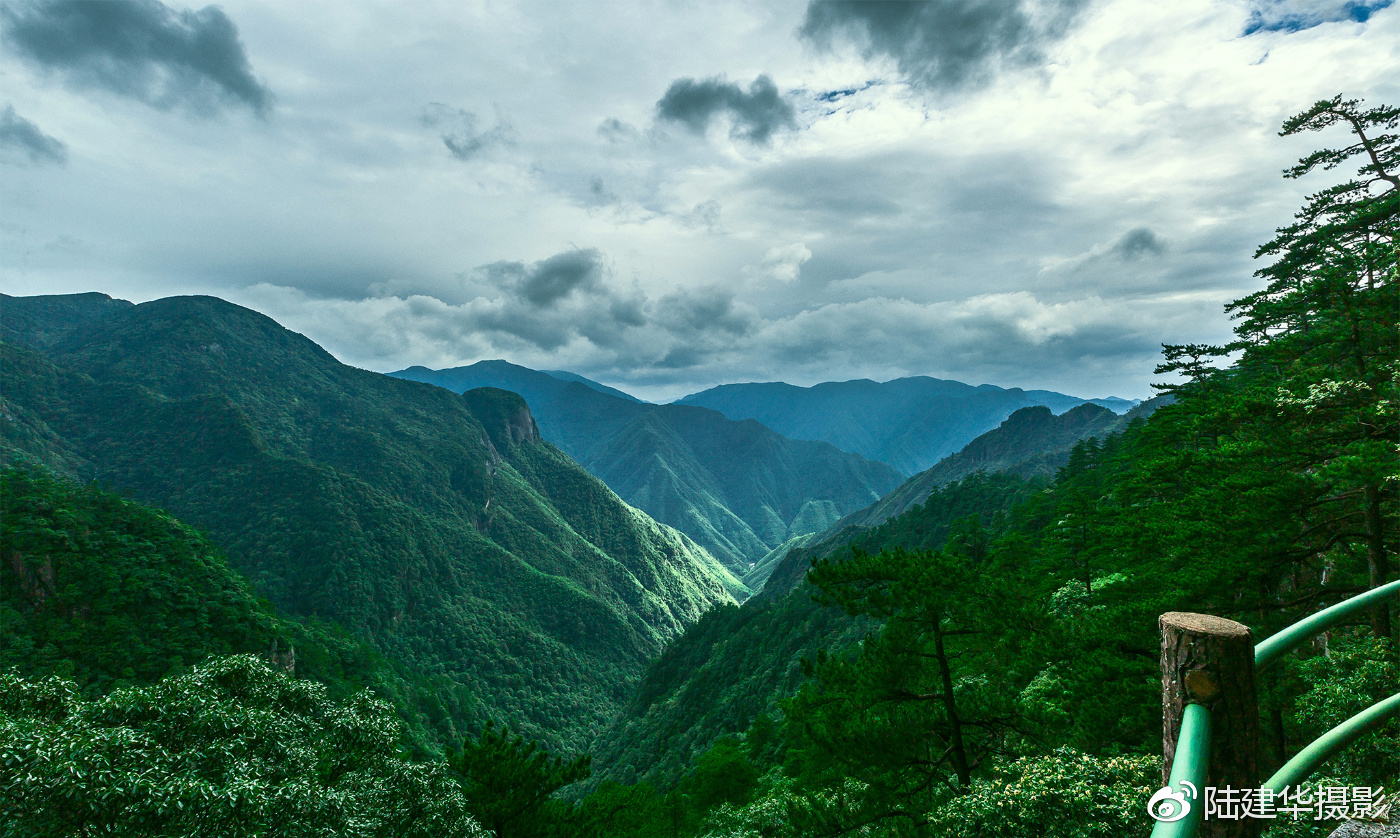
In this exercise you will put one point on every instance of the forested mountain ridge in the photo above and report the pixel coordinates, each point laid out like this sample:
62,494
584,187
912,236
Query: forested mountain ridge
422,521
111,593
910,423
1032,442
539,387
737,488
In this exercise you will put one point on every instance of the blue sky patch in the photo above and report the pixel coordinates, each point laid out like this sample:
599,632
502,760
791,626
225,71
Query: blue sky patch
1297,15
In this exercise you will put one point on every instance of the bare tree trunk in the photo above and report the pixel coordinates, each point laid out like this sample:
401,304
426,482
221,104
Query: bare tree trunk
950,708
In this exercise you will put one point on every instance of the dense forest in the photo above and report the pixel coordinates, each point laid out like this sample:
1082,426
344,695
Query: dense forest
983,664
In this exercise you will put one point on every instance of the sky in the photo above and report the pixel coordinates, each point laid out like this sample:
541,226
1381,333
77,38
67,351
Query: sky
667,196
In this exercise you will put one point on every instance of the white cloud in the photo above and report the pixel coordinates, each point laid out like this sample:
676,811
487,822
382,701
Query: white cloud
781,264
663,347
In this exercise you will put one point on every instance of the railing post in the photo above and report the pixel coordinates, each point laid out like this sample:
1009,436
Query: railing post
1210,661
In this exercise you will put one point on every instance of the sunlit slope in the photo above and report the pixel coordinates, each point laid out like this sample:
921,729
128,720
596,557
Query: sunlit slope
737,488
739,662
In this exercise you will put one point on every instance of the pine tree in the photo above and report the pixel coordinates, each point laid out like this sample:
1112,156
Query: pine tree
509,783
1315,390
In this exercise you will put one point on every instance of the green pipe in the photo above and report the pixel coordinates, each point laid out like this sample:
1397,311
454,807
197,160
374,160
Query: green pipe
1274,648
1302,766
1189,766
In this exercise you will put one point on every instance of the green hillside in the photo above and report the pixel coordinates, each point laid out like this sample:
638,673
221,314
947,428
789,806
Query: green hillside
109,593
737,488
429,524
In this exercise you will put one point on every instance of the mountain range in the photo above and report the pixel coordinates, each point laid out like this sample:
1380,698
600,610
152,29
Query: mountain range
737,488
909,423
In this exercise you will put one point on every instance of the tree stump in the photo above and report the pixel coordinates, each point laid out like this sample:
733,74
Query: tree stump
1210,660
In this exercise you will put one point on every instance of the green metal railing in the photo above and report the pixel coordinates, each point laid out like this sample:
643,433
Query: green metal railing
1274,648
1193,744
1188,775
1327,745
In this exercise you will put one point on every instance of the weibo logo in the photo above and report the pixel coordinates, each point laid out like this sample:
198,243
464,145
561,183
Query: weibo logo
1170,806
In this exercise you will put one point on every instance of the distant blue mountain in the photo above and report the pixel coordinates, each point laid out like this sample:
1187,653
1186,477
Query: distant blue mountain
534,385
565,375
910,423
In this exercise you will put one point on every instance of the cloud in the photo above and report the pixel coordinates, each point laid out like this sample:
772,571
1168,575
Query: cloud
563,307
942,215
840,190
459,131
944,44
833,96
548,281
705,214
1297,15
783,264
1136,258
142,49
598,192
692,338
615,130
20,137
1138,243
568,312
754,116
704,311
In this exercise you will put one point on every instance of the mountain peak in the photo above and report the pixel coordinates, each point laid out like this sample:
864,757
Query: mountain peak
504,414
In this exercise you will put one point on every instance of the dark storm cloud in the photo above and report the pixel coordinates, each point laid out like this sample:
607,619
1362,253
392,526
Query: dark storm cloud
754,115
459,132
704,311
944,44
1297,15
21,138
548,281
1137,243
138,48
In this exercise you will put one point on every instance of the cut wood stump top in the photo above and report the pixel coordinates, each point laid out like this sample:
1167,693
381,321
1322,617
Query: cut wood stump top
1204,624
